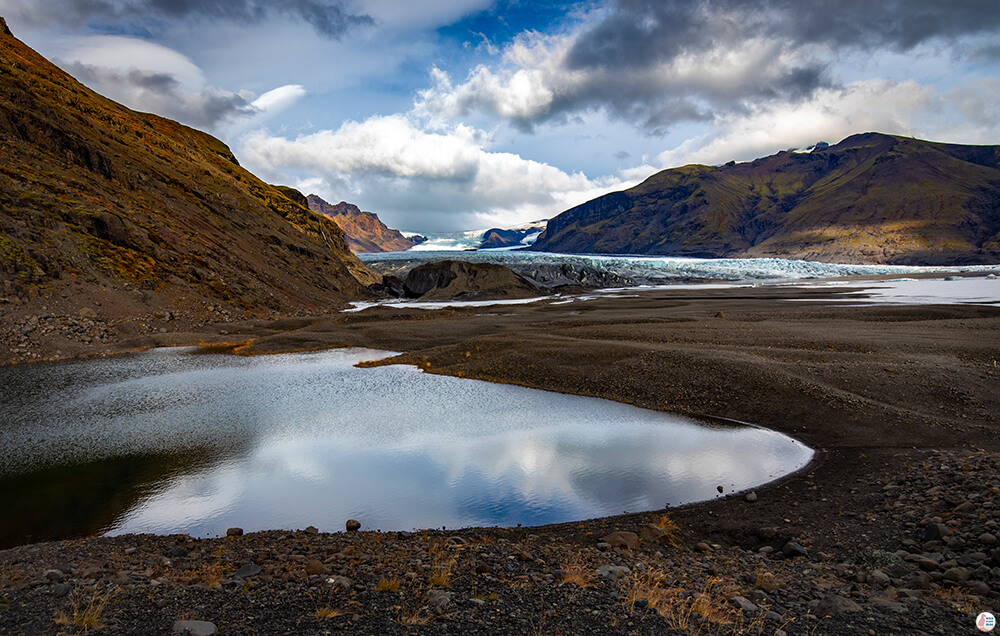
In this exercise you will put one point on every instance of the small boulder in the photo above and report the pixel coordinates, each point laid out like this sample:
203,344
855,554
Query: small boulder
620,539
936,532
613,572
342,583
250,569
793,549
353,525
957,574
234,532
311,530
834,604
751,497
652,534
744,604
87,313
316,567
195,628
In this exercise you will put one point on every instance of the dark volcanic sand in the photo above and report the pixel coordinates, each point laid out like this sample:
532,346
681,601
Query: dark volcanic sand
897,400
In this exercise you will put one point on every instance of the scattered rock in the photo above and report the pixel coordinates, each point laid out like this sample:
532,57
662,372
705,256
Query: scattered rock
341,582
751,497
652,534
195,628
793,549
613,572
234,532
250,569
87,313
621,539
60,590
311,530
353,525
834,605
316,566
936,532
744,604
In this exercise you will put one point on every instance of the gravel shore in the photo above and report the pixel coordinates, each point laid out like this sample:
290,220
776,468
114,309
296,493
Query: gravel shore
892,530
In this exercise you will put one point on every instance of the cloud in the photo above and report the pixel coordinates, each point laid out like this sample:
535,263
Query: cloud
538,82
658,63
959,115
160,93
150,77
327,17
438,180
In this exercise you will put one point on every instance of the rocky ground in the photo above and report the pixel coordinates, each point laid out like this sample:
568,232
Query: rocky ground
932,565
892,530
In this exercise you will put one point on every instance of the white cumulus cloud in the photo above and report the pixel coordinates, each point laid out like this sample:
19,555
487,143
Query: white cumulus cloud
437,180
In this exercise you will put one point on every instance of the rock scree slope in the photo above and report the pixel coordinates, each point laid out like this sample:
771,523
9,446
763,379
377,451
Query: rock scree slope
872,198
99,202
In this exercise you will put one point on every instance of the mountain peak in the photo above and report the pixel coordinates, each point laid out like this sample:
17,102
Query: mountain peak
4,29
872,198
363,231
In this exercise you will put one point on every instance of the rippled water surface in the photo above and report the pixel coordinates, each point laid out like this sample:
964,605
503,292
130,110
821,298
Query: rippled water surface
176,441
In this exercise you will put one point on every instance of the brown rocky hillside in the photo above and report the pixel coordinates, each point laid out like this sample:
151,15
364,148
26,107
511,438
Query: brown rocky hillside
872,198
102,205
364,231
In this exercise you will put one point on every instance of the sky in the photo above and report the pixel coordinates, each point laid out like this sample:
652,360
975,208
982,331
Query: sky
454,115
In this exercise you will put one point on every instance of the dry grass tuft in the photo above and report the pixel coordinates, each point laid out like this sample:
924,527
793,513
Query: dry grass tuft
390,584
87,616
577,571
700,610
327,613
444,555
672,530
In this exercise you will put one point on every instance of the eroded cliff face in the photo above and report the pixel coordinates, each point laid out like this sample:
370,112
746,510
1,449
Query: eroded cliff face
99,201
872,198
363,231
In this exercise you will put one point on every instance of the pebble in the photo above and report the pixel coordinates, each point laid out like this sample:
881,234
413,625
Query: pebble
744,604
316,566
834,604
250,569
195,628
621,539
613,572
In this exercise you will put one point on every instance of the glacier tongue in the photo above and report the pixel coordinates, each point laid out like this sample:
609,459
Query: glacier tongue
549,269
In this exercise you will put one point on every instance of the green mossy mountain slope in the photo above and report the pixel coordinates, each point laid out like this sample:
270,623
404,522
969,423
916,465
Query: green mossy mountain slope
872,198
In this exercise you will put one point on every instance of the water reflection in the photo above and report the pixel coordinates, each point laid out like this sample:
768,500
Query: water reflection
308,439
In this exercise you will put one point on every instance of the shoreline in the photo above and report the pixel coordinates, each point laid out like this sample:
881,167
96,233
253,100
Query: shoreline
877,391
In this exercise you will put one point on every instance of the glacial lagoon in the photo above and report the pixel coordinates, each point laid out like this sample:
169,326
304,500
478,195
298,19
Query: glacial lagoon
179,441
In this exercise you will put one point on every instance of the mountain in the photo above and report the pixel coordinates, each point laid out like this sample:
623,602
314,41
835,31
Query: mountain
872,198
363,231
519,235
103,205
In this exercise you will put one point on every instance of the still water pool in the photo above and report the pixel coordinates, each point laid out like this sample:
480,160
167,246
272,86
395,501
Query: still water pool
173,441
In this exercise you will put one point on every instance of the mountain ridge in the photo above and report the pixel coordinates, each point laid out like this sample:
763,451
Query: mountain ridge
872,198
100,202
363,231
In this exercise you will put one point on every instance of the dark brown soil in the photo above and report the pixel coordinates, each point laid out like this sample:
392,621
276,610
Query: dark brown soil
902,404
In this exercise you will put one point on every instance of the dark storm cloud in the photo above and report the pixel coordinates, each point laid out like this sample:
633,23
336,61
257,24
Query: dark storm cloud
328,17
161,93
641,33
